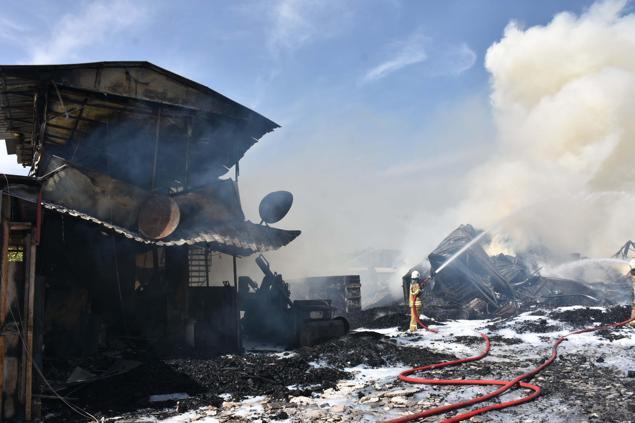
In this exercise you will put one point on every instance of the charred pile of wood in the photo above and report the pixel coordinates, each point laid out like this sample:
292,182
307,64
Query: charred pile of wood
477,285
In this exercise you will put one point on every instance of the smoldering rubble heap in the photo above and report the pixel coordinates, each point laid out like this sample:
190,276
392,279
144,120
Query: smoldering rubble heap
213,381
477,285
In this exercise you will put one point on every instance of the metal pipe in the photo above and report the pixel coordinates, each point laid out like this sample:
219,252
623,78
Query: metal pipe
239,341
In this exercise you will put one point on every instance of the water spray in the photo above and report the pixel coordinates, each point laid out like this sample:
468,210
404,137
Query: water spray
461,251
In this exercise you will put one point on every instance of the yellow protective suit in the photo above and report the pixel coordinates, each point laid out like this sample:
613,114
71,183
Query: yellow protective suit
415,304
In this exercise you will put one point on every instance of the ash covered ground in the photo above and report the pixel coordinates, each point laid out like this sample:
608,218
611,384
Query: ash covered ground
355,378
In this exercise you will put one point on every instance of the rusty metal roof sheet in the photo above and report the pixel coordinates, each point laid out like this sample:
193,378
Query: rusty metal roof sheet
243,238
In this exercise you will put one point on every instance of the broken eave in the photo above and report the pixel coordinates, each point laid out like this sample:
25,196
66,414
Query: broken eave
56,104
241,238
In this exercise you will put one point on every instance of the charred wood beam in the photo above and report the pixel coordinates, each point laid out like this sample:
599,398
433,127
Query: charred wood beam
6,101
21,93
65,114
52,138
65,128
82,118
40,110
24,121
77,120
140,106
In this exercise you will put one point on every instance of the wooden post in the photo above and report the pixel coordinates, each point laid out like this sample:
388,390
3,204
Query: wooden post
4,288
30,250
239,341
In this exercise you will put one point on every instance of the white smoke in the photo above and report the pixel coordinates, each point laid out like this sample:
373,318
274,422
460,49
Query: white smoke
563,97
561,174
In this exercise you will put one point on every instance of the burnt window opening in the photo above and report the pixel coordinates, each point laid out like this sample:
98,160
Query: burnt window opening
199,264
207,268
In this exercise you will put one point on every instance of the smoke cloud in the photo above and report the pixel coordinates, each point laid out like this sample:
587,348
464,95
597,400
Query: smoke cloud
546,162
563,98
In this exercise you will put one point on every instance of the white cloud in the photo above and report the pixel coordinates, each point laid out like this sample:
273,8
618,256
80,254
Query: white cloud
12,30
290,28
90,26
404,53
297,22
457,59
440,59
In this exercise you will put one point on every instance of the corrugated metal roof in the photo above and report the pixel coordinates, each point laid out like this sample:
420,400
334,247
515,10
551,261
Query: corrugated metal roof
242,238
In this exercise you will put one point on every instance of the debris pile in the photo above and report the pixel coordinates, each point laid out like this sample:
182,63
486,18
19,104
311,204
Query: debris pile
230,379
396,315
476,285
585,384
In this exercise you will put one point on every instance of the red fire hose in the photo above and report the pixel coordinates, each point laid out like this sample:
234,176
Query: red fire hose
517,382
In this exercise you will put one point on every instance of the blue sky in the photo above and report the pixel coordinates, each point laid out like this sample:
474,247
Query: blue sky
275,55
384,105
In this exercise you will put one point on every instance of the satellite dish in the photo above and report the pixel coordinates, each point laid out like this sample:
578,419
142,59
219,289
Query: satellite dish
275,205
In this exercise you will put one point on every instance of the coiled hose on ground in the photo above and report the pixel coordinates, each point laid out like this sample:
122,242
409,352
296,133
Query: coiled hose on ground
504,386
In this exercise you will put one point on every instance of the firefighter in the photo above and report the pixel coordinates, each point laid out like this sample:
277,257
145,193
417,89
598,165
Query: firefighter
415,301
632,275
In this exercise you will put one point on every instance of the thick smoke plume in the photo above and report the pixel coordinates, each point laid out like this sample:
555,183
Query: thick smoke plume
559,174
563,98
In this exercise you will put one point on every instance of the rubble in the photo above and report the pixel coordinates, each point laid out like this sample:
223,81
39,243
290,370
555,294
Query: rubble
354,378
580,316
476,285
291,377
395,315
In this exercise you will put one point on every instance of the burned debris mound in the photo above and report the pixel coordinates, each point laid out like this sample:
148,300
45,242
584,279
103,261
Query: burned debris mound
259,374
472,278
585,316
209,381
392,316
600,392
302,372
370,349
468,283
535,326
127,390
380,317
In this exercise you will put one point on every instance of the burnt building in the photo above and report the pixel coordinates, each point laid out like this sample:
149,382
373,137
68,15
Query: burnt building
127,226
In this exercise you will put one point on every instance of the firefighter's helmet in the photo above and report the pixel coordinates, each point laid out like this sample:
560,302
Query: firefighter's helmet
415,275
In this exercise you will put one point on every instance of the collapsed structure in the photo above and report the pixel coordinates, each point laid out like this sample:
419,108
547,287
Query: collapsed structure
124,228
476,285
